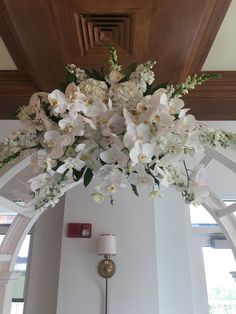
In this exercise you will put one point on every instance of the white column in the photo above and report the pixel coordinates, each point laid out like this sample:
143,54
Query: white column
173,260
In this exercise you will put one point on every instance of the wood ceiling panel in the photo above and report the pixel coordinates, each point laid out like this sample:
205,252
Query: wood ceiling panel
15,91
216,99
182,32
91,24
43,36
32,27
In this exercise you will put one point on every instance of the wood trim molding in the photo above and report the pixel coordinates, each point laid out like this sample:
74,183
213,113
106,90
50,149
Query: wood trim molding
15,91
216,99
15,83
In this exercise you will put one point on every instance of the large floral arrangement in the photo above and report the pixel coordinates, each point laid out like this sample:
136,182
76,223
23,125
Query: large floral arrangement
118,130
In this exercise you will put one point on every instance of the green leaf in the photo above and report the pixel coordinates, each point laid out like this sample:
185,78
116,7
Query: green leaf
88,175
152,88
92,73
128,71
78,174
134,189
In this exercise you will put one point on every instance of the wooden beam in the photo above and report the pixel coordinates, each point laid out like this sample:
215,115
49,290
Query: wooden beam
216,99
15,91
28,31
182,33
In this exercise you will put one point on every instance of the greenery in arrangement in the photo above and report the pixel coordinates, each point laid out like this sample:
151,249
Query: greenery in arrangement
117,129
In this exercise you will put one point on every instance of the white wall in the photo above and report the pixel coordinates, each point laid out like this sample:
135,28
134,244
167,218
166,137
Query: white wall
133,289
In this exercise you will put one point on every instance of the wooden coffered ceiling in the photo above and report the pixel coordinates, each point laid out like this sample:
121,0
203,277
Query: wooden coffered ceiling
43,36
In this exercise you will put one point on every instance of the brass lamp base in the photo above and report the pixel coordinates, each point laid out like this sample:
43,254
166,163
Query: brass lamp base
106,267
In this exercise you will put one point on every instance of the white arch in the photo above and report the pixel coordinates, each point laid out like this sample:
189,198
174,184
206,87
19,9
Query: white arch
26,218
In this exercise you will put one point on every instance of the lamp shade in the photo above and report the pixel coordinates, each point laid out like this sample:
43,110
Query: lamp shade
107,244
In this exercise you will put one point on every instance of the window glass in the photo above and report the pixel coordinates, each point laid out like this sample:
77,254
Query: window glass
200,216
6,219
21,265
220,284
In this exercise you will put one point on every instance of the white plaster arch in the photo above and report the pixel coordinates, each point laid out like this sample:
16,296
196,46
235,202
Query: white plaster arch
26,218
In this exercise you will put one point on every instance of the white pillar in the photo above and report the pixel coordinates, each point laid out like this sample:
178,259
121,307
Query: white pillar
173,260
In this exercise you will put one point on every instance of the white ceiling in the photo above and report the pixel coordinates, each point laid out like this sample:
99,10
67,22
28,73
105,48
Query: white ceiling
221,56
6,62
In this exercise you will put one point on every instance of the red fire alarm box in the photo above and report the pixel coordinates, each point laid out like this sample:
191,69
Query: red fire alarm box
79,230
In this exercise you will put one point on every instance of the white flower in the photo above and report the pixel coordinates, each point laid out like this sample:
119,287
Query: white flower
141,180
94,88
136,132
58,102
154,194
98,197
125,95
115,125
141,152
175,105
114,155
71,163
111,179
33,116
115,76
164,176
143,75
56,143
192,141
39,181
154,109
92,107
73,124
186,123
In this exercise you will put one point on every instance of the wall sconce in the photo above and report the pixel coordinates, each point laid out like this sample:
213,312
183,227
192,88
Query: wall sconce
107,268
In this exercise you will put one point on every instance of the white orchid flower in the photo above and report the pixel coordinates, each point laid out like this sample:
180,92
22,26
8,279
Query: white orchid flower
72,93
56,143
115,155
192,141
73,124
129,118
71,163
115,125
141,180
141,153
175,105
91,106
136,132
186,123
33,116
113,181
58,102
173,156
39,181
163,176
130,136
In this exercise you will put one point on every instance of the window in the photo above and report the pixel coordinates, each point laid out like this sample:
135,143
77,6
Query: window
210,245
220,285
21,265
